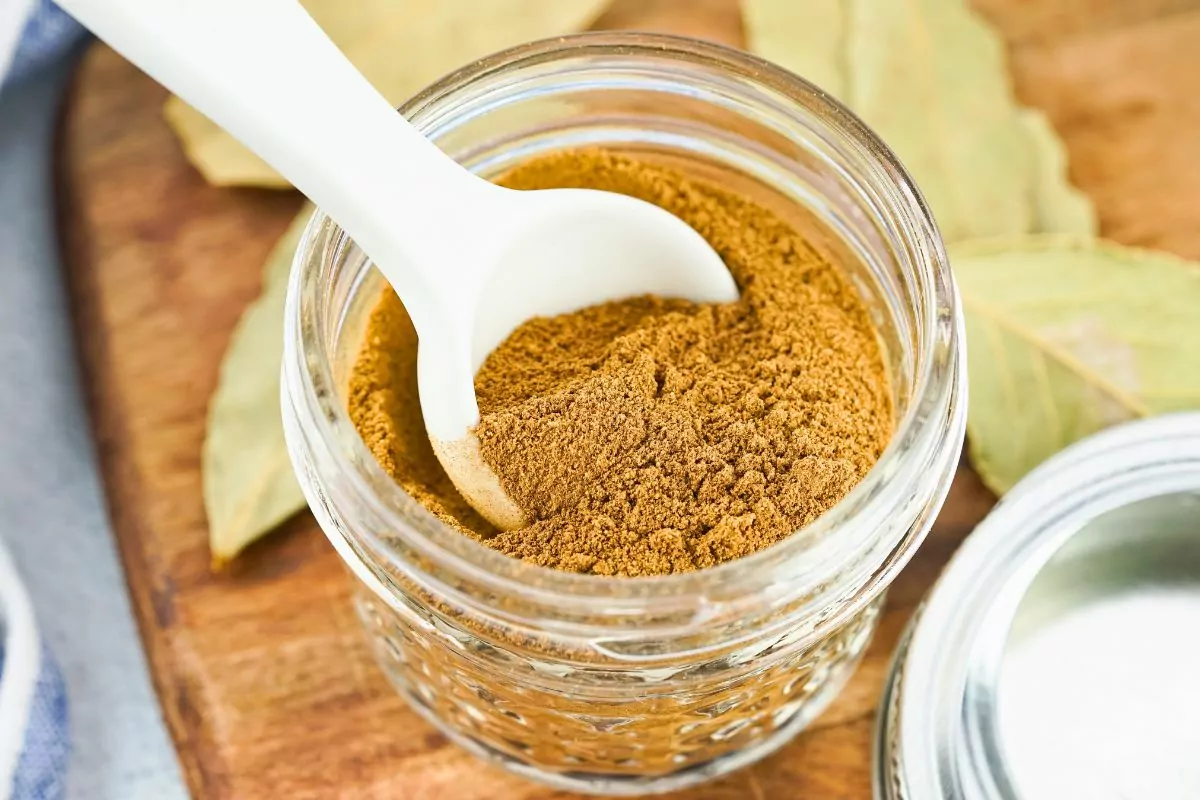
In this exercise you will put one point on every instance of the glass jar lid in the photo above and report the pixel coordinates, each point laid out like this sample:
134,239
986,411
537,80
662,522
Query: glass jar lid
1058,656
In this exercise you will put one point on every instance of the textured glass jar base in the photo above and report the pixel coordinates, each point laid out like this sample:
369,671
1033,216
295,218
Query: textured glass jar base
630,732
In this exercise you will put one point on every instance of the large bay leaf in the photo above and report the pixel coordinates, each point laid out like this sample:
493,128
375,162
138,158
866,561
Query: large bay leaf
1058,207
930,77
808,38
249,487
1068,335
400,46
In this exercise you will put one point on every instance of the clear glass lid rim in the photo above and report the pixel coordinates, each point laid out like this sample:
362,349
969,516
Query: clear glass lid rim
947,672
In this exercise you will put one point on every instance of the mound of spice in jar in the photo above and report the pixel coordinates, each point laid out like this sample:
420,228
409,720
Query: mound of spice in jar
652,436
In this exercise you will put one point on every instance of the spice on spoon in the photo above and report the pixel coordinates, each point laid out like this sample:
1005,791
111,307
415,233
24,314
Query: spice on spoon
651,436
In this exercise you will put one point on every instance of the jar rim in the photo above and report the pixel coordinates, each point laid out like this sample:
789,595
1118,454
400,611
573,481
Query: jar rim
936,410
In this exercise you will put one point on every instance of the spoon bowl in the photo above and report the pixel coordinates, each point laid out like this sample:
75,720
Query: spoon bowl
559,250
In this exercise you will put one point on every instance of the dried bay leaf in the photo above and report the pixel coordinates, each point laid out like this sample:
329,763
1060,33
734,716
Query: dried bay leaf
1058,207
400,46
930,77
807,38
1066,336
249,487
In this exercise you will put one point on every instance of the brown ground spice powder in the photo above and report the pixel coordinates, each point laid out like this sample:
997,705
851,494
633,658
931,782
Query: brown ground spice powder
652,436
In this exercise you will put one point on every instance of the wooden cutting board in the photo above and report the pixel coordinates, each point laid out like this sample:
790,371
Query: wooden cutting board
262,672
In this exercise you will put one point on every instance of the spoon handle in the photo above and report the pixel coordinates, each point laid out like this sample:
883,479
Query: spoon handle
265,72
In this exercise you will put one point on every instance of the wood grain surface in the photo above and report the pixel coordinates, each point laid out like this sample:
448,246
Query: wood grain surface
262,672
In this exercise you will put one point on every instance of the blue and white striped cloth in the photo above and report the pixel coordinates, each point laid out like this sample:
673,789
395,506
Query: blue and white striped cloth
33,33
34,739
34,733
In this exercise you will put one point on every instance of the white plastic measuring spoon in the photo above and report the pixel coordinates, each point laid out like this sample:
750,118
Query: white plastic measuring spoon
470,260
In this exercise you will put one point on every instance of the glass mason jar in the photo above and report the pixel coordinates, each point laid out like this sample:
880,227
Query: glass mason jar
628,685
